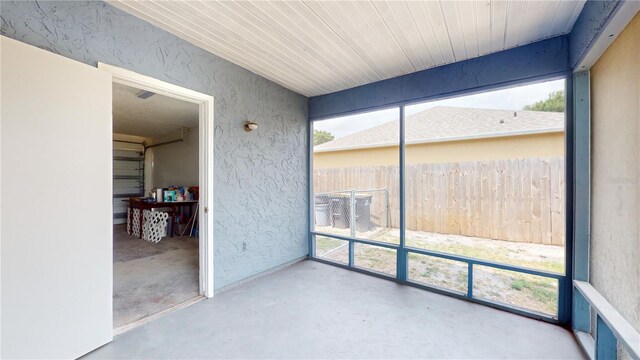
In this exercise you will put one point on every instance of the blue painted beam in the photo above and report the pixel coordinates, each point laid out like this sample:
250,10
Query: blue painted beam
447,256
582,170
592,20
606,342
470,280
581,319
312,206
402,261
540,60
565,286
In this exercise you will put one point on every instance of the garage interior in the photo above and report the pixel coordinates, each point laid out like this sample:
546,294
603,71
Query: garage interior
155,146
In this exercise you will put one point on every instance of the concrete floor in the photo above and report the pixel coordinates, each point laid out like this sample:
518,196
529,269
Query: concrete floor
313,310
149,277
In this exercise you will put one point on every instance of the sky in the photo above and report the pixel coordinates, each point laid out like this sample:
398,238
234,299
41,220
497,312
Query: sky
514,98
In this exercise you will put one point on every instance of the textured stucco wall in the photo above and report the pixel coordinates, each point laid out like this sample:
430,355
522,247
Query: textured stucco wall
615,213
260,177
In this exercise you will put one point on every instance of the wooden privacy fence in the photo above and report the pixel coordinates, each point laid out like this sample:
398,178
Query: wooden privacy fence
517,200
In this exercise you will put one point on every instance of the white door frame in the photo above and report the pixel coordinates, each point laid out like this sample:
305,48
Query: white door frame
205,204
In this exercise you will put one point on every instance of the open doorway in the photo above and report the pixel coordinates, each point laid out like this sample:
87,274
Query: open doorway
155,194
162,181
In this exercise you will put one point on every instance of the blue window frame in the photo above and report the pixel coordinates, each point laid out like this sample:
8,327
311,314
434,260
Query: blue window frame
349,243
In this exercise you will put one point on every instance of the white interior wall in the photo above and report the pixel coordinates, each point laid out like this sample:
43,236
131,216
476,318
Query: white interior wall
174,164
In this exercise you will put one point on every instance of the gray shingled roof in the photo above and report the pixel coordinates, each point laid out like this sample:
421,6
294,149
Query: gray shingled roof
443,123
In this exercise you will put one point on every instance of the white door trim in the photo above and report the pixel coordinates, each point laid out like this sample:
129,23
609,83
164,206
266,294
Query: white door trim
206,126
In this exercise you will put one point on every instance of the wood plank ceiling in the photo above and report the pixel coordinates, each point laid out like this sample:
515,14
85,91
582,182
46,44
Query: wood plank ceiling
319,47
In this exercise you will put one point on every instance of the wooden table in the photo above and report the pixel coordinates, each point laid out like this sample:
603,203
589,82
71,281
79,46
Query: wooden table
135,203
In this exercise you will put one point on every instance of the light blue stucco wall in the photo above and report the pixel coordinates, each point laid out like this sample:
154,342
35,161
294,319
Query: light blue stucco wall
260,177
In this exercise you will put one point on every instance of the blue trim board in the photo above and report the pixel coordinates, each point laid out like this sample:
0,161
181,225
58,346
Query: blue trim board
566,287
543,59
487,263
402,256
358,240
447,256
581,319
470,280
606,341
448,292
582,169
581,313
591,22
310,196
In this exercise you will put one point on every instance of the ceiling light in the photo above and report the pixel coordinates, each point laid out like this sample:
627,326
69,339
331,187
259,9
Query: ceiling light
143,94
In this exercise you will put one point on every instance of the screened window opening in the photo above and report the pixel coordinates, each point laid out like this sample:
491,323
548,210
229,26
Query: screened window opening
356,176
483,195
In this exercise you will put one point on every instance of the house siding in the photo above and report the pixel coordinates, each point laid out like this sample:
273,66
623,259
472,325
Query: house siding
615,212
497,148
260,189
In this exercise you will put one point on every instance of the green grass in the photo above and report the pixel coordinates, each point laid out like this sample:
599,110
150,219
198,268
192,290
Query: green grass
524,290
500,256
378,257
518,285
462,277
324,244
541,290
439,272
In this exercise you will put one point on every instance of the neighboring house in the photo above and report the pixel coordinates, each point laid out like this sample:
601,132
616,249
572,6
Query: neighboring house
450,134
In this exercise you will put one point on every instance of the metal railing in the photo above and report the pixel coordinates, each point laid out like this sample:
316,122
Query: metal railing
471,263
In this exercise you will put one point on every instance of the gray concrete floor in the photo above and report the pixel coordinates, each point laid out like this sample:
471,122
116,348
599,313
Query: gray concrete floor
148,277
313,310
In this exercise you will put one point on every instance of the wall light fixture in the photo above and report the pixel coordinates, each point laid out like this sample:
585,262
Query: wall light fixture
250,126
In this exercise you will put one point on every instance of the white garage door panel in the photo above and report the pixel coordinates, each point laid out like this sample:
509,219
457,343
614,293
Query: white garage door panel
56,205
